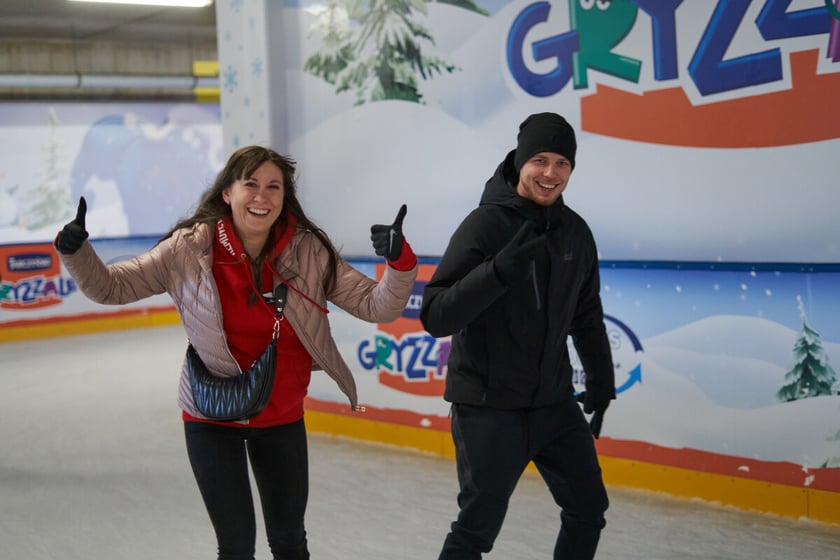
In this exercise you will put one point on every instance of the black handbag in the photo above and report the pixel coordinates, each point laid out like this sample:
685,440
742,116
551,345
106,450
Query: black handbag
241,396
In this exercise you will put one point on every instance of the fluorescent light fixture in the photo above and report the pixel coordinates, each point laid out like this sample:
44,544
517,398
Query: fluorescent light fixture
173,3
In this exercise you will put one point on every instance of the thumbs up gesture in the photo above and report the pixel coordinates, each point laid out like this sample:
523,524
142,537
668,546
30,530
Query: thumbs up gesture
70,238
388,240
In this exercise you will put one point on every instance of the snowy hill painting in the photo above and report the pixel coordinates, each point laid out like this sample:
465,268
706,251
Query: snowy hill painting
435,155
724,400
708,385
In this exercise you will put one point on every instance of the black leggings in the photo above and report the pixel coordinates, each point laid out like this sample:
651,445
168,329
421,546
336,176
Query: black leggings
219,456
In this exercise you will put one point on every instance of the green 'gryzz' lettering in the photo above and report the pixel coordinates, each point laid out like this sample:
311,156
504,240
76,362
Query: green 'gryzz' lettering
601,25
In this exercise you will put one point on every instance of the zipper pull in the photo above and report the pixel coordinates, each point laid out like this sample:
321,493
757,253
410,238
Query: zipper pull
536,286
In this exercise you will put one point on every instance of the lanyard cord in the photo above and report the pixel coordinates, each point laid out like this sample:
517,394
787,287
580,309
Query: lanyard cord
284,282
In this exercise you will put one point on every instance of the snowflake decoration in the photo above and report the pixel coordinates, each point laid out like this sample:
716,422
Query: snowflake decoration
230,80
236,5
257,67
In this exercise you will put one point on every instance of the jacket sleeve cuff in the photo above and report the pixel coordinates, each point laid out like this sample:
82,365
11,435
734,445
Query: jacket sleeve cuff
407,260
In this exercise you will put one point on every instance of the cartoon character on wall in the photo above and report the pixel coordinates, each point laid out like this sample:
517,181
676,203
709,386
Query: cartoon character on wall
155,170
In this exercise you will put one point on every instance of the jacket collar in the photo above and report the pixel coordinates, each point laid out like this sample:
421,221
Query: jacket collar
230,243
500,190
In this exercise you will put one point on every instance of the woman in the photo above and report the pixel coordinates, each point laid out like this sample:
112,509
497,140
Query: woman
221,266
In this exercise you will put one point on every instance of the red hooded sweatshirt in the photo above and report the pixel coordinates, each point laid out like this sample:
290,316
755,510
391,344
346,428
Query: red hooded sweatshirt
249,323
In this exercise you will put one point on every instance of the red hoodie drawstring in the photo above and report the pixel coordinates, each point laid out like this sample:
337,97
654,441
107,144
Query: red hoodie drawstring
295,290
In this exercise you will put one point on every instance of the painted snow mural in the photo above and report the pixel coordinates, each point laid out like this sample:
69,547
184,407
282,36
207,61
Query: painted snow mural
141,166
702,353
721,346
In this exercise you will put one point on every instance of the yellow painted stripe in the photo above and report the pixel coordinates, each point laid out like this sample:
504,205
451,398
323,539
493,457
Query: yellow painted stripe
432,441
88,326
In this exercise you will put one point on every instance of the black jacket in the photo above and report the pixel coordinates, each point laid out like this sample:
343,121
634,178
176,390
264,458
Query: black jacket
509,346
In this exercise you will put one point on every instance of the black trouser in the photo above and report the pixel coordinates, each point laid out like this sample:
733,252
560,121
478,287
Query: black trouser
493,447
219,457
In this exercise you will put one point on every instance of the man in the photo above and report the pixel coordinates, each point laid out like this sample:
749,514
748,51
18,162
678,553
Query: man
520,274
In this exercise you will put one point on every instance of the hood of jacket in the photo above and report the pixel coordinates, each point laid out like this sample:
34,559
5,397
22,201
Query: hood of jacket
500,190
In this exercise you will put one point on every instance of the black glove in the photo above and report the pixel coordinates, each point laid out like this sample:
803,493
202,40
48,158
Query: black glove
591,405
511,263
70,238
388,240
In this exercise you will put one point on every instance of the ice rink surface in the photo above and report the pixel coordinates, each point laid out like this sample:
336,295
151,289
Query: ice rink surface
93,466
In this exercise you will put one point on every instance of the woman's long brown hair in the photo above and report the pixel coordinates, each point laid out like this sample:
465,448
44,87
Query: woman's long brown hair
241,164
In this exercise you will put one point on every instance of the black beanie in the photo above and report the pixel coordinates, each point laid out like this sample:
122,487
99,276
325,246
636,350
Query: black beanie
544,132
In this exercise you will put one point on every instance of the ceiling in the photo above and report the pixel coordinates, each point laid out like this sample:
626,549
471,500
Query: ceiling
45,20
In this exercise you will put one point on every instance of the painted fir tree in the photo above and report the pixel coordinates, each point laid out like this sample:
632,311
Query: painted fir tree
336,51
811,375
50,199
375,48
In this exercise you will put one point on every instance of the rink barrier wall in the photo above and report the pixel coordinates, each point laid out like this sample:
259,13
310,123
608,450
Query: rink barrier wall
785,500
734,491
780,489
675,479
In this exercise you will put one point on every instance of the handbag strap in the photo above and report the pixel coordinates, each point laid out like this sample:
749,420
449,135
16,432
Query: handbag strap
278,300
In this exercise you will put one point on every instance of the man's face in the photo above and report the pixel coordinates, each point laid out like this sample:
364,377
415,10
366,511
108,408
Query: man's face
544,177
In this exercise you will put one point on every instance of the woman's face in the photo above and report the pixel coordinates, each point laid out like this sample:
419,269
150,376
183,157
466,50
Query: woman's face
255,204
